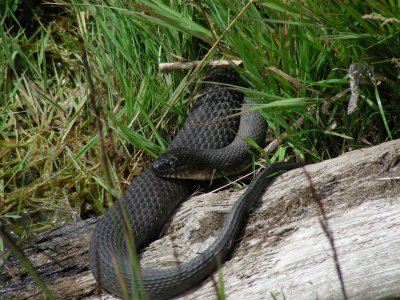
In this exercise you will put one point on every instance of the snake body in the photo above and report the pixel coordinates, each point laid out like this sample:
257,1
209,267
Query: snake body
206,164
150,200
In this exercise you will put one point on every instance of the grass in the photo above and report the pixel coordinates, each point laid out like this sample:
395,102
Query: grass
295,57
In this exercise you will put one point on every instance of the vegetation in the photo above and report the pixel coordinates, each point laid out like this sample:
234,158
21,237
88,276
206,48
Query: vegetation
296,58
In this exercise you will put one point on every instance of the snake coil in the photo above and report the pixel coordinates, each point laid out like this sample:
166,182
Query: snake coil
150,199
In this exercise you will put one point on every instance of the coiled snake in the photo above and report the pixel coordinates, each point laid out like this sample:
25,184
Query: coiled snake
150,199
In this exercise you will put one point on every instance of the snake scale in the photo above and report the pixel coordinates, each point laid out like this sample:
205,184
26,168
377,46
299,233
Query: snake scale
210,131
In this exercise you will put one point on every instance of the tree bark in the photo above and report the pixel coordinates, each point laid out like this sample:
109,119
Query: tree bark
283,251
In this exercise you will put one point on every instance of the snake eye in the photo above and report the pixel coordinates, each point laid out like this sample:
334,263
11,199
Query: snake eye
171,163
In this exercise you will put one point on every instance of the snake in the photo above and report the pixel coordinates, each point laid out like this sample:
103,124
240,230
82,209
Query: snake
216,140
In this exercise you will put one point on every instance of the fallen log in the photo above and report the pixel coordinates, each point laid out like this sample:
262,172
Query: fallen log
283,252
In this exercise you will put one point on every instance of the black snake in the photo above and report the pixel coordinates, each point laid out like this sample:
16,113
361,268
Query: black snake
150,200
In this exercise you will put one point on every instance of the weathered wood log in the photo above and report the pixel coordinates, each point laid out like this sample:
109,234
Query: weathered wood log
283,252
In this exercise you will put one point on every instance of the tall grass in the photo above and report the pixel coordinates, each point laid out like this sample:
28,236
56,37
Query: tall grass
296,58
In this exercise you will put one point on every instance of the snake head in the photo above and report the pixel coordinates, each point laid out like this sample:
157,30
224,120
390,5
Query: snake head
171,164
180,163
